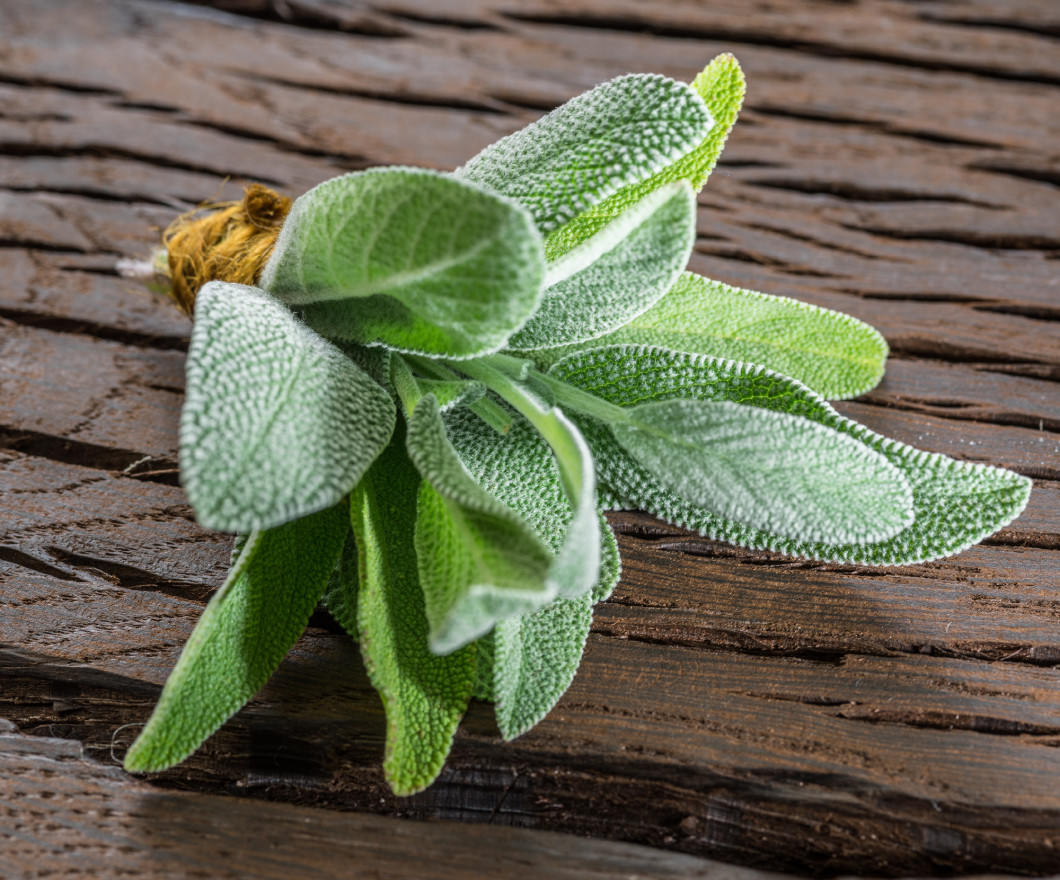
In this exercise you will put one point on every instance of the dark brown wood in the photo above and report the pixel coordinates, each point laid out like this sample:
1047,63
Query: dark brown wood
895,160
64,814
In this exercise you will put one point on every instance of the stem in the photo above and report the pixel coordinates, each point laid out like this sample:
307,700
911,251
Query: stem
567,444
432,368
408,389
584,402
491,412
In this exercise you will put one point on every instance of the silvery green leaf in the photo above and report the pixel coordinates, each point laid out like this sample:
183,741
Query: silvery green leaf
834,354
483,688
620,132
479,561
610,564
411,259
776,471
340,597
541,650
452,393
247,628
616,274
527,663
985,498
576,566
519,470
424,695
721,86
277,422
535,659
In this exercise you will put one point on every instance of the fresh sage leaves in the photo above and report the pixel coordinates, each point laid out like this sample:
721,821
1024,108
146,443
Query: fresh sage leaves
442,380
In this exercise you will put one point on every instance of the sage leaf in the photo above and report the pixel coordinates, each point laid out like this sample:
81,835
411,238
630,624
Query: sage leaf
452,393
247,628
776,471
576,566
535,659
610,564
277,422
834,354
479,561
987,498
340,596
620,132
621,272
528,662
519,471
424,695
721,85
411,259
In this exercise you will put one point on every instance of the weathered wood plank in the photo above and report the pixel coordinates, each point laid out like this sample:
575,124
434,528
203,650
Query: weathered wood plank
64,814
893,162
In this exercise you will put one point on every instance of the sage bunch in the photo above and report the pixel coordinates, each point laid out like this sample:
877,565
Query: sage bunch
441,381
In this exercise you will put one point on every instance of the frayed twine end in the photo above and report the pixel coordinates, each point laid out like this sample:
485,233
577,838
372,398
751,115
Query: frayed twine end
224,241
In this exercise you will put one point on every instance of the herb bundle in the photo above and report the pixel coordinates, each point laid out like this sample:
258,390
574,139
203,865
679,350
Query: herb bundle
438,382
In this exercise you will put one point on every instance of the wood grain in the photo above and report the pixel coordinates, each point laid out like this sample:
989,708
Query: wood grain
68,814
895,160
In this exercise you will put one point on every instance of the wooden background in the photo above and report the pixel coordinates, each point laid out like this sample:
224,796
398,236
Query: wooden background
896,160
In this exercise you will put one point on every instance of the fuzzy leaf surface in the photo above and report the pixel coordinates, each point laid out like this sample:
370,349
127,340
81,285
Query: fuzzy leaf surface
777,471
624,270
535,659
579,154
409,258
520,471
479,561
247,628
424,695
540,651
836,355
576,566
721,85
277,422
528,662
986,498
340,597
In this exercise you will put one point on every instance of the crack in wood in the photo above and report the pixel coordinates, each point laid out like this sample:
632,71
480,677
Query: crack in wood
854,192
969,236
889,128
304,16
84,327
77,452
111,151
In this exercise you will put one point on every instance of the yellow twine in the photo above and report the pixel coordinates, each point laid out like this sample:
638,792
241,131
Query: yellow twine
224,241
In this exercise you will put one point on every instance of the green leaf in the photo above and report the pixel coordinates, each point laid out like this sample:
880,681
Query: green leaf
776,471
340,597
620,132
540,651
425,696
955,504
479,562
527,663
721,85
535,659
247,628
617,274
411,259
834,354
452,393
519,471
576,566
610,564
277,422
483,688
